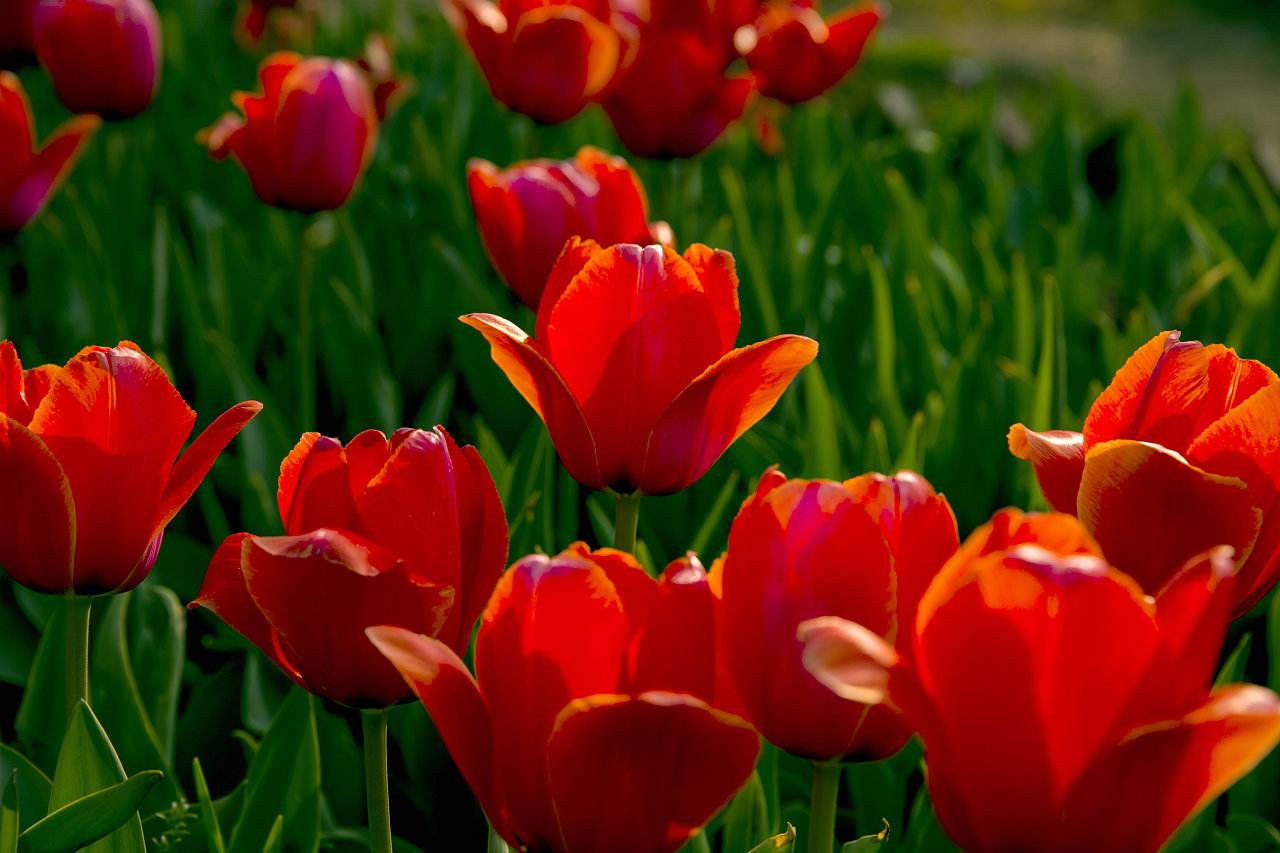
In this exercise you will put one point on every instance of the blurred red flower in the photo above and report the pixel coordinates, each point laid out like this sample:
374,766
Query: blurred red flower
1180,454
104,56
864,550
408,531
547,60
307,138
633,369
528,212
593,721
15,29
796,55
1062,709
28,178
90,474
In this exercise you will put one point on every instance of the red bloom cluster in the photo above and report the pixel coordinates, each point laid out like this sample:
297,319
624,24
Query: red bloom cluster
595,720
660,68
1062,709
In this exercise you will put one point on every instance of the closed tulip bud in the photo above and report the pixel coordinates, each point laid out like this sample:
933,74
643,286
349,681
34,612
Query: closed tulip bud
634,369
104,56
1180,418
593,721
864,550
528,212
305,140
796,55
406,531
1061,708
29,177
90,472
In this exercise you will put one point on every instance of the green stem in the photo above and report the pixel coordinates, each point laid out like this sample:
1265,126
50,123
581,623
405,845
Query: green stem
77,651
626,522
306,355
822,808
375,780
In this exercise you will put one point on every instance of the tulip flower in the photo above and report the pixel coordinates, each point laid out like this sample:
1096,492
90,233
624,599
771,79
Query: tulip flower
1060,707
547,60
633,369
592,722
796,55
1177,455
28,178
379,66
16,42
864,550
306,139
528,212
672,96
90,476
104,56
251,24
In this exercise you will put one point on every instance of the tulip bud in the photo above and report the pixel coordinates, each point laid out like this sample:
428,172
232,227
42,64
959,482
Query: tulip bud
103,55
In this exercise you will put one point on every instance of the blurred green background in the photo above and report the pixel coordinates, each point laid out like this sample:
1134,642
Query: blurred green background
978,226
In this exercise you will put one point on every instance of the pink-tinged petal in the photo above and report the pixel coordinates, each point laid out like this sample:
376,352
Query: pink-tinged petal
46,172
16,127
675,649
1162,774
315,486
440,680
850,660
560,58
719,406
320,591
545,390
628,334
37,512
644,774
1152,511
1058,459
116,424
194,464
522,260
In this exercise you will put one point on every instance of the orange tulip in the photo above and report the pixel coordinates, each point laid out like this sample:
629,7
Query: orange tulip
633,369
1061,709
1178,455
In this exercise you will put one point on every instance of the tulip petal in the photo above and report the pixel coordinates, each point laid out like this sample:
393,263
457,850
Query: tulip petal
482,525
644,773
675,649
440,680
13,385
545,390
1058,459
41,175
315,486
563,56
850,660
16,134
320,591
718,273
1152,511
37,512
711,414
574,256
1144,789
194,464
796,56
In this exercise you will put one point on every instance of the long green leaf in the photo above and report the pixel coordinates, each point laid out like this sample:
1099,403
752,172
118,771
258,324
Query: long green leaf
84,821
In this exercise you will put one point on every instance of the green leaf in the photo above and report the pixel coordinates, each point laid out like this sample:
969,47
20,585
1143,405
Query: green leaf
10,817
208,813
747,817
868,843
91,817
88,764
18,651
275,838
1232,671
283,781
783,843
42,715
31,784
1252,834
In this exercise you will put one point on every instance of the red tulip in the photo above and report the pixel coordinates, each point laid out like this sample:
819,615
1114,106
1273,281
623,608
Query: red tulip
545,59
633,370
306,140
528,212
672,96
864,550
28,178
89,469
252,23
589,725
1178,455
408,531
796,55
1062,709
379,66
104,55
15,29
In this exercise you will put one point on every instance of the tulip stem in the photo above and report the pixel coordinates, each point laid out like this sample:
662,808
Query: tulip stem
376,786
626,522
306,356
78,609
822,808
